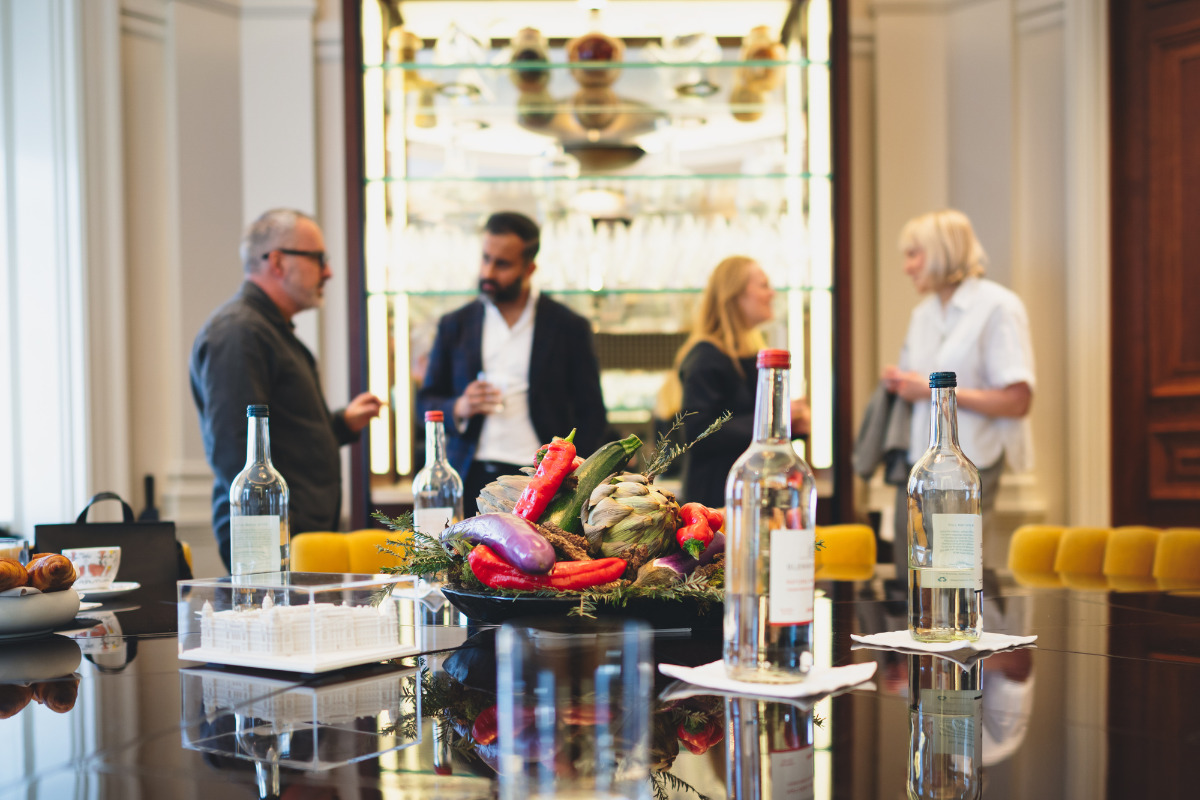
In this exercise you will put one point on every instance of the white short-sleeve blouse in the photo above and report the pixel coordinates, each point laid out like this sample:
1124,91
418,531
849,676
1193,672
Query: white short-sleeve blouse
982,335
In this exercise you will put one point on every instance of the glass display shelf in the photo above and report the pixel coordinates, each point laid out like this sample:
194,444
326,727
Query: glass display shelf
605,178
533,66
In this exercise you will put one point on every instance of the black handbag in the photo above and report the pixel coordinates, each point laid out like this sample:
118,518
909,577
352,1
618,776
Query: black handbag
150,553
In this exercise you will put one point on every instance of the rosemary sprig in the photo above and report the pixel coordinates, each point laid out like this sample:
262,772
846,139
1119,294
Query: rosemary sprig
661,780
666,452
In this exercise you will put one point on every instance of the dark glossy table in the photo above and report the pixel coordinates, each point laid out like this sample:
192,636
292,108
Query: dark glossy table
1106,706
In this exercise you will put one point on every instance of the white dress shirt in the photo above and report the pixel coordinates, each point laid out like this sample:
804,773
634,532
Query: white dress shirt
982,335
508,433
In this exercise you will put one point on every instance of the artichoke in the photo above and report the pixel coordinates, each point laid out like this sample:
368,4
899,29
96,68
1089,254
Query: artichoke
625,511
502,494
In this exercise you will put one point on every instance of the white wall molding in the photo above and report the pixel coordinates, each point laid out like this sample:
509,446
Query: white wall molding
923,7
228,8
144,26
862,37
105,255
278,9
328,38
1041,17
1088,263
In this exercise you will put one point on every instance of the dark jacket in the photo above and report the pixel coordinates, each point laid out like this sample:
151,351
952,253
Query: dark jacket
246,353
564,378
712,386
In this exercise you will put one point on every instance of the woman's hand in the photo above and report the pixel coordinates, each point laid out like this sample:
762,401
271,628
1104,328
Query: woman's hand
801,417
1013,400
911,386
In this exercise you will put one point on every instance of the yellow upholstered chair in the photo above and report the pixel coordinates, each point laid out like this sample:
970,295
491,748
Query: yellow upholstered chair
1129,559
1031,553
364,546
320,552
1080,558
848,553
187,555
1177,560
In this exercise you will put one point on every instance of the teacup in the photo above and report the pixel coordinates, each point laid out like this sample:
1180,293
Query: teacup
97,566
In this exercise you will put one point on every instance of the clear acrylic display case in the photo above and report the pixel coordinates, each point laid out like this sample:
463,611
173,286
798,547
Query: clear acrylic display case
275,723
299,621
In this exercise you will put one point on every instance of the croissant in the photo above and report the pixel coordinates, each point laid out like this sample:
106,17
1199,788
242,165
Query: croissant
59,696
12,574
51,573
13,698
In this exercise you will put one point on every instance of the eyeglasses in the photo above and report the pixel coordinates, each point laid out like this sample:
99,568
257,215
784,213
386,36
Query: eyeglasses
316,255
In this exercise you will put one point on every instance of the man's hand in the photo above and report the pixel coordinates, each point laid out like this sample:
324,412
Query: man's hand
480,397
801,417
911,386
362,410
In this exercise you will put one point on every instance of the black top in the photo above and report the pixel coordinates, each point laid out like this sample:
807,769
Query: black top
712,386
564,378
247,354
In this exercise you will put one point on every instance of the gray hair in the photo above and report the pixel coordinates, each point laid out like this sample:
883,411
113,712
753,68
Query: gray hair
272,229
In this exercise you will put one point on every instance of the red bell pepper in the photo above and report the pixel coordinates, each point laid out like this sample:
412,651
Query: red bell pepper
497,573
484,729
696,533
556,464
698,737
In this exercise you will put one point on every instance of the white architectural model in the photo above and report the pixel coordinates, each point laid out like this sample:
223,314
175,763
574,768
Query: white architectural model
302,630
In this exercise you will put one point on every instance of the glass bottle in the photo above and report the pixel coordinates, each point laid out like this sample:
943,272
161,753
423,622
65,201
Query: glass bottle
259,538
768,751
771,500
945,530
945,716
437,489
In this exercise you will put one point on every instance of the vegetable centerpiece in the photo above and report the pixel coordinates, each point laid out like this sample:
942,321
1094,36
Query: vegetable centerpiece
567,527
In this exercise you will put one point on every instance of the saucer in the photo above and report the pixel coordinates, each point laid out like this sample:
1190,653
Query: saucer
116,589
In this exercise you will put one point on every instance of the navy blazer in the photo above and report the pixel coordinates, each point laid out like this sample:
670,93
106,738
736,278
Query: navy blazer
564,378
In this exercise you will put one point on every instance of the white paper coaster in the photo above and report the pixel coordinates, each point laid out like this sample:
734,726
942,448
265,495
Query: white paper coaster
819,681
963,653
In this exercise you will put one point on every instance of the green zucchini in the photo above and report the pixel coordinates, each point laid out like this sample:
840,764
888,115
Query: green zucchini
565,508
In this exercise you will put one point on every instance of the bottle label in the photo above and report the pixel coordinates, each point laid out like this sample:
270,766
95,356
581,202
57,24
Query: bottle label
957,552
791,584
255,543
951,716
792,774
431,521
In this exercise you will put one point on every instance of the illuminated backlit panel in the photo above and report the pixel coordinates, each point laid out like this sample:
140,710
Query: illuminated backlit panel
795,240
375,233
397,276
820,232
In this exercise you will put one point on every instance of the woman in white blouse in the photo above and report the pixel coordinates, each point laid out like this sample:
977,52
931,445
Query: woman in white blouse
977,329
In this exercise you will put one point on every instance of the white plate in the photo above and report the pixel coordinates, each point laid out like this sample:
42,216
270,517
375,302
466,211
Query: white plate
116,589
36,614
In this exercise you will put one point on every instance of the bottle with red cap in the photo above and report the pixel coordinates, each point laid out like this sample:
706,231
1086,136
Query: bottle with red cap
771,507
437,489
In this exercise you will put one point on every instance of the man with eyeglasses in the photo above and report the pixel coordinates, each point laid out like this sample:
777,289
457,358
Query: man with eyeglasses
247,353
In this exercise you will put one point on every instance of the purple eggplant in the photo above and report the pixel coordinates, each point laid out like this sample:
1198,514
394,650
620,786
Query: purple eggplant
513,538
715,547
676,567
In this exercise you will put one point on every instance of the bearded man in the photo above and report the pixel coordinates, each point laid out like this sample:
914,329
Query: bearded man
513,368
247,354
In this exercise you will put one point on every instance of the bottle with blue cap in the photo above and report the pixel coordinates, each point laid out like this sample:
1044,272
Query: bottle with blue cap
945,530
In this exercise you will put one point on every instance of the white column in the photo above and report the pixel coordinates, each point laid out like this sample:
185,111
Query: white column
44,392
1088,258
278,118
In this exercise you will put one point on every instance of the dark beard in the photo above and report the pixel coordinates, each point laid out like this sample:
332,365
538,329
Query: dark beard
500,294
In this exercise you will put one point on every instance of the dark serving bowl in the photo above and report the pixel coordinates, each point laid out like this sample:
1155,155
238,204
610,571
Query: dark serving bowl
658,613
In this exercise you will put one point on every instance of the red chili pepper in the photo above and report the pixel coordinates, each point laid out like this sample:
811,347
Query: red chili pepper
484,729
696,534
697,737
497,573
716,519
557,464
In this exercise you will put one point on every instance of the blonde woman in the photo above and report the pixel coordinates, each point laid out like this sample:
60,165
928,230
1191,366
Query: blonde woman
717,370
977,329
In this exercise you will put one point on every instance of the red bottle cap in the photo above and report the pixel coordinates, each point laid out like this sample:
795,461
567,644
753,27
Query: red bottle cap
434,416
774,359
